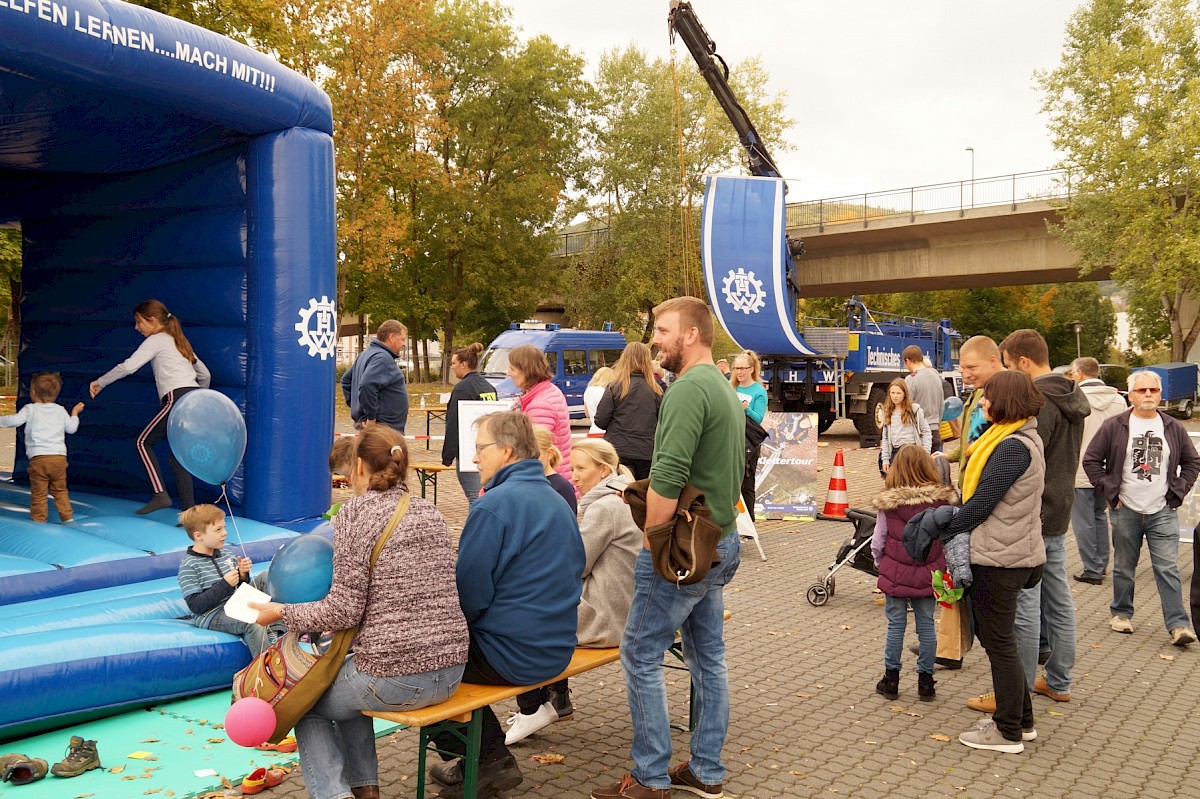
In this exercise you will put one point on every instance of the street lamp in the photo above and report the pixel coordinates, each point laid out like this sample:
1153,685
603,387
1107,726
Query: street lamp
1078,329
971,150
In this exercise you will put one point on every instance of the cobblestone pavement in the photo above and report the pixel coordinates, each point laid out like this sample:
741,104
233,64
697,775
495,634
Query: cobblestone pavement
806,721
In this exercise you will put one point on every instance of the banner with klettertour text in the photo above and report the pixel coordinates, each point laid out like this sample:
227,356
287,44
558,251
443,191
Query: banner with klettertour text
786,481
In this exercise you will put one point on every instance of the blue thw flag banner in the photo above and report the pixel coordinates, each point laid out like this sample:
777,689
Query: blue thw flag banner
746,263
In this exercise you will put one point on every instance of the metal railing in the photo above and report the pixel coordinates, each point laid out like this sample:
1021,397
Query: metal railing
961,196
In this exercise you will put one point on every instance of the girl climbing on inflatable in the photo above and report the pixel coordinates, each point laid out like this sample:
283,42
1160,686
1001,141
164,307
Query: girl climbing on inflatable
177,371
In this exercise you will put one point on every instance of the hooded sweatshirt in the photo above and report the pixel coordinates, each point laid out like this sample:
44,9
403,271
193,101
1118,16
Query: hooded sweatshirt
1060,426
1106,402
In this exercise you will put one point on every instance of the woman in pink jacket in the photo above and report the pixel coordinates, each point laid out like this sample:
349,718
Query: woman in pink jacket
541,400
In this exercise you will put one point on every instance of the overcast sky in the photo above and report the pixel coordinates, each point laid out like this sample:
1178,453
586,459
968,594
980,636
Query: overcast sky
884,94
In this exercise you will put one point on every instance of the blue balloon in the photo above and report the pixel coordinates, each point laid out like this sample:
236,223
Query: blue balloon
207,435
301,571
952,408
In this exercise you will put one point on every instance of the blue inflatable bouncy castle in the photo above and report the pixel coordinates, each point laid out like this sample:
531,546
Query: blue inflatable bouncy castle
143,157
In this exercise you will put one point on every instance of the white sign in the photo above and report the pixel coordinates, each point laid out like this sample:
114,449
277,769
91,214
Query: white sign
469,412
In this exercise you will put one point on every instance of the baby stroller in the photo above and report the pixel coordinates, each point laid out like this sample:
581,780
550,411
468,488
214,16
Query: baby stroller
854,552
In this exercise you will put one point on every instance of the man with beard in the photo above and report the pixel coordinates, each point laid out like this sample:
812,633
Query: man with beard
1145,464
700,441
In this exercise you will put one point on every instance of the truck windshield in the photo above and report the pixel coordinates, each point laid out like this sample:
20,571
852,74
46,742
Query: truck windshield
495,361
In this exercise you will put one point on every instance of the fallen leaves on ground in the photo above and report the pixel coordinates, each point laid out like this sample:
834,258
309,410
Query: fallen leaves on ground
548,757
116,769
215,740
1167,657
937,736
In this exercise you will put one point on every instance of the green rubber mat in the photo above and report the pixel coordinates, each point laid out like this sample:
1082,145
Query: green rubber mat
176,750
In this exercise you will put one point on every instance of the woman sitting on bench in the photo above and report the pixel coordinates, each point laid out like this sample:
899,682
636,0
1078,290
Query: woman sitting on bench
612,541
412,636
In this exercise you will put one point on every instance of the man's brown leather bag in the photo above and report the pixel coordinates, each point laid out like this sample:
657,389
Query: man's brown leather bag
685,549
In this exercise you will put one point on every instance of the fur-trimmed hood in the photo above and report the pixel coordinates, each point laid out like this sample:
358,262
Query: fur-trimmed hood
892,498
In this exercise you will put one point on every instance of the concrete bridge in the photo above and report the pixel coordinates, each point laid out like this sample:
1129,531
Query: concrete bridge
965,234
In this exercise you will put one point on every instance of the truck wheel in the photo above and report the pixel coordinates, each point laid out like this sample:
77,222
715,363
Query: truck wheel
869,423
825,419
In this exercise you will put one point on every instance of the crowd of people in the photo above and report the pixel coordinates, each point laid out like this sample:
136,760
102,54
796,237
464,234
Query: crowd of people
1039,452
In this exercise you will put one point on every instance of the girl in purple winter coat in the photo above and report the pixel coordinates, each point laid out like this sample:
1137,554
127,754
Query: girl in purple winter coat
912,485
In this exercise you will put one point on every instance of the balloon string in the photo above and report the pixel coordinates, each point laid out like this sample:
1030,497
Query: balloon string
232,518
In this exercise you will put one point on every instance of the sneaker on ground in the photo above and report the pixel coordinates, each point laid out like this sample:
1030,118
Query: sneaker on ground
1040,686
986,735
501,775
81,757
521,726
683,779
984,703
1120,624
1182,636
1028,733
629,788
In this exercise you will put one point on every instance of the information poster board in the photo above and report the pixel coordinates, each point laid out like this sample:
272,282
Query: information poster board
469,412
786,478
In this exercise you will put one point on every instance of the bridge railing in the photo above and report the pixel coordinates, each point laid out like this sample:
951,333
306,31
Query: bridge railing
961,196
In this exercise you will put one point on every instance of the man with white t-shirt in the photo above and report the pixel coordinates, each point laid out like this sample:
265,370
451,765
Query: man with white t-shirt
1145,464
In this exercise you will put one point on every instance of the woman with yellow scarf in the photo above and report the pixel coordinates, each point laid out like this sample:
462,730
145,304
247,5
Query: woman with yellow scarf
1002,497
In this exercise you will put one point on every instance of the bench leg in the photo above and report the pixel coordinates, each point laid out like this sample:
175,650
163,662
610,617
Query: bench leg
471,761
471,734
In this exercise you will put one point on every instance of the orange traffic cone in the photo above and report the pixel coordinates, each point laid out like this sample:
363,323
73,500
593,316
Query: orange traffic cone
836,503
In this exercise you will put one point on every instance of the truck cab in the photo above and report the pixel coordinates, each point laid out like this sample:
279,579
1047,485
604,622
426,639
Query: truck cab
573,355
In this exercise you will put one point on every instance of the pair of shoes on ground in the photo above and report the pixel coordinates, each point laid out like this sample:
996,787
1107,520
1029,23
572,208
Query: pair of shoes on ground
682,779
82,757
1090,579
501,775
522,725
986,703
260,779
986,735
1180,636
889,686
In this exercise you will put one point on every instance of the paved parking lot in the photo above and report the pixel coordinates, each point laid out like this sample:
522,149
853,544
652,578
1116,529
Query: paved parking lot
806,721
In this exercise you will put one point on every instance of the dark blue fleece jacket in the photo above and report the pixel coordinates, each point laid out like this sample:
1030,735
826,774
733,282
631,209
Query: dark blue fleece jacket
520,574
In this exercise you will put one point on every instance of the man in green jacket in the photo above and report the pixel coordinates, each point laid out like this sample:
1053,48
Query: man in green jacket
700,441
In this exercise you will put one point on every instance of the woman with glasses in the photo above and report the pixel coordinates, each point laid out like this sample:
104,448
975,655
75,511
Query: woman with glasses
747,371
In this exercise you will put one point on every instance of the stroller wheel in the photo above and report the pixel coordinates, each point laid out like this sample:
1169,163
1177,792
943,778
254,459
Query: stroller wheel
818,595
830,584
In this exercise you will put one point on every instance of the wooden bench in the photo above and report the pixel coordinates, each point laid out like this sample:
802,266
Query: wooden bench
427,475
462,715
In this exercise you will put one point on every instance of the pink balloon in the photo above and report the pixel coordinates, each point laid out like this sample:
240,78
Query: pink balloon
250,721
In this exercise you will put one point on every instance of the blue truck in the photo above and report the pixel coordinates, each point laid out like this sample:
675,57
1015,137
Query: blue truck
573,355
1178,387
833,368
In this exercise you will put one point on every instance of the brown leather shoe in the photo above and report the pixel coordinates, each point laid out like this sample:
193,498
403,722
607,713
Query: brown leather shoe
629,788
365,792
1041,687
984,703
683,779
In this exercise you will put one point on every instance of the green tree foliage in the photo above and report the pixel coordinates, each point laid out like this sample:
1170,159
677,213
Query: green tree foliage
10,284
658,132
1124,107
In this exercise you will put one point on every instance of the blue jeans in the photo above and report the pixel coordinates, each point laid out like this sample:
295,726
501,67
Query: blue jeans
1161,531
470,485
1048,603
337,742
1090,523
697,612
896,610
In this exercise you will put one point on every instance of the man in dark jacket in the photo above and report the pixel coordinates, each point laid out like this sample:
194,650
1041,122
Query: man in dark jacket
374,386
1143,496
1047,611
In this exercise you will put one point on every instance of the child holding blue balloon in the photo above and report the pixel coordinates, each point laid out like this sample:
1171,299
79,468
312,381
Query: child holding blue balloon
177,371
208,576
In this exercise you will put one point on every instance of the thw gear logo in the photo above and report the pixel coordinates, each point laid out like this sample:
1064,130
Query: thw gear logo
743,292
320,337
